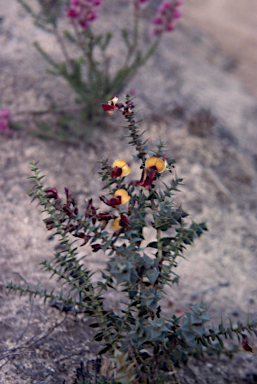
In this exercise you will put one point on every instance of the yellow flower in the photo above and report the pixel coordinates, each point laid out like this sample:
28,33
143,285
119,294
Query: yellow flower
155,162
123,195
120,168
116,224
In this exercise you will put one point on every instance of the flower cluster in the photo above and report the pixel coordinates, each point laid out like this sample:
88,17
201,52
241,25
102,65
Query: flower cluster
152,168
167,13
83,12
155,165
5,118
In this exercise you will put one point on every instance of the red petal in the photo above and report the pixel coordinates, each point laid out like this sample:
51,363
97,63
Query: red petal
110,109
148,183
245,344
114,202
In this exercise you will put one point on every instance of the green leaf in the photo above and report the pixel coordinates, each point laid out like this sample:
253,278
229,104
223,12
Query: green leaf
105,349
99,336
152,275
94,325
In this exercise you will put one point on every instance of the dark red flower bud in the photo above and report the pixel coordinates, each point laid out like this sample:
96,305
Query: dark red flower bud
52,193
70,200
124,222
66,209
119,105
245,344
105,216
68,196
96,247
83,236
70,228
91,211
49,224
128,108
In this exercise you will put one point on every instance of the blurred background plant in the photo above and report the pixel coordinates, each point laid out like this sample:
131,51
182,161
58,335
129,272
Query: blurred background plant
142,344
7,126
89,71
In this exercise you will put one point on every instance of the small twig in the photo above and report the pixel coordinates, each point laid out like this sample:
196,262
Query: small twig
174,374
132,354
46,111
22,346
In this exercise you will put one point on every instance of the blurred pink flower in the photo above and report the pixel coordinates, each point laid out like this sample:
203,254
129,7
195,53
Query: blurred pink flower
3,125
5,114
5,117
83,12
167,13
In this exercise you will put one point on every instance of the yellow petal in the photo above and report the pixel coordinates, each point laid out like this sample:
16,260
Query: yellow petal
119,163
125,170
115,224
113,101
155,162
123,194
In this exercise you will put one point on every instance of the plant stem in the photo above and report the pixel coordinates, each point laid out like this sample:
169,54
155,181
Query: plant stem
81,42
175,376
63,47
134,43
159,244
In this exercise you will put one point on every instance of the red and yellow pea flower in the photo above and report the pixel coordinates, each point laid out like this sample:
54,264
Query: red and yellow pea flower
154,164
121,197
112,106
120,168
121,222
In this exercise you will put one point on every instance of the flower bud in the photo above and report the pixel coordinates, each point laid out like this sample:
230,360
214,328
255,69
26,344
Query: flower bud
52,193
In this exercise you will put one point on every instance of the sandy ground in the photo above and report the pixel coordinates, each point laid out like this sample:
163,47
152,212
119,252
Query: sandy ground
193,71
233,24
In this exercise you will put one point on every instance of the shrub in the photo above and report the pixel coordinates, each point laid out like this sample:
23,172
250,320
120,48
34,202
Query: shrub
144,346
88,74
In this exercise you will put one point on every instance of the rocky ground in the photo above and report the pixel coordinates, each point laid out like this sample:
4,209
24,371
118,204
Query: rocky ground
190,94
